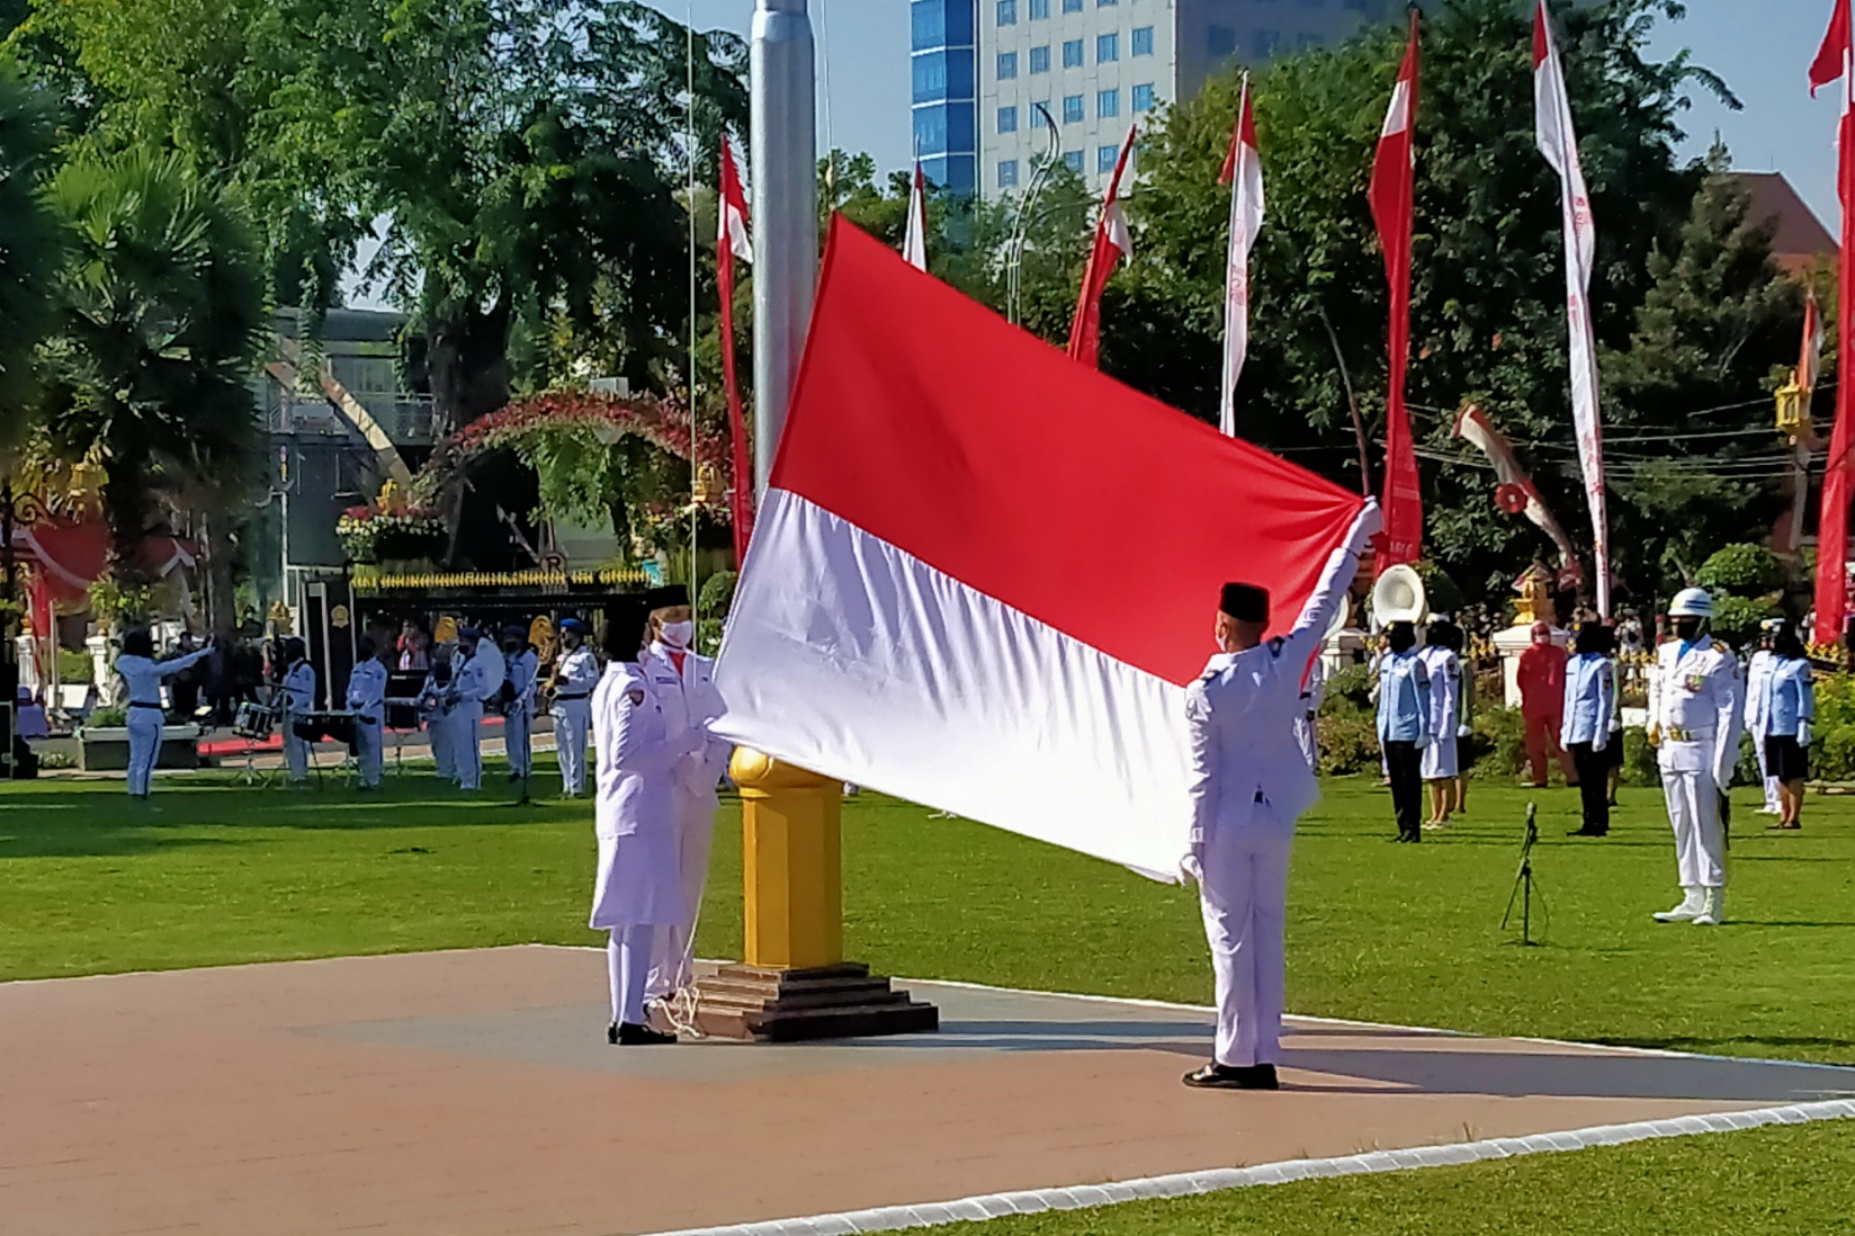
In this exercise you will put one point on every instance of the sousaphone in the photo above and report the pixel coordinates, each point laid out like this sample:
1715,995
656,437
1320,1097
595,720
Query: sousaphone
1398,597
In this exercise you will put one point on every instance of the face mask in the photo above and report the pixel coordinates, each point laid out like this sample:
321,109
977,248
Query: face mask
678,634
1687,629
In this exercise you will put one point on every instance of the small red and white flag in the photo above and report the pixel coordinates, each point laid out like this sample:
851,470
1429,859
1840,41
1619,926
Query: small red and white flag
732,241
1243,173
1810,358
1836,60
1558,141
917,619
914,241
1393,175
1113,243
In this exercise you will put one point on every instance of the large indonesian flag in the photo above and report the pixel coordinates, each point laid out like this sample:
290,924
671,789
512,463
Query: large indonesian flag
984,575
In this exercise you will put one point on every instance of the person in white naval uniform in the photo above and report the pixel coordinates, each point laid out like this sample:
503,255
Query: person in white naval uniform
1249,783
639,888
519,702
298,692
1758,682
141,678
471,686
1694,718
685,684
435,705
367,701
574,679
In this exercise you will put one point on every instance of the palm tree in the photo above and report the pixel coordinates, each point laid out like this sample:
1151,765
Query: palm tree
30,246
163,319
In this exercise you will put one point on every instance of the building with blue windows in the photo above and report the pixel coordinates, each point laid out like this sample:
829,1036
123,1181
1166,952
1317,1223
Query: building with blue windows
1097,66
945,62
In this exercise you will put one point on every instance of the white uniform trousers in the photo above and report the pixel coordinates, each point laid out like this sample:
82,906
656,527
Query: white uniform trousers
438,731
1245,900
517,734
369,739
144,748
573,719
295,751
1694,811
695,834
1764,773
467,750
627,955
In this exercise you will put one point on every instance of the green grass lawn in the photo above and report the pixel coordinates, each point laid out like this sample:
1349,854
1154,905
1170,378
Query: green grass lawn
212,873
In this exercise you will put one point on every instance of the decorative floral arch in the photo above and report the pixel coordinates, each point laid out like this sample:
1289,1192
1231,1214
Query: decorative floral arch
663,423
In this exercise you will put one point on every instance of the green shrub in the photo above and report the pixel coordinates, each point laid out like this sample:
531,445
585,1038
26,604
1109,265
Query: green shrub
1500,741
1639,766
74,668
1742,569
1349,688
1736,619
107,718
717,595
1348,744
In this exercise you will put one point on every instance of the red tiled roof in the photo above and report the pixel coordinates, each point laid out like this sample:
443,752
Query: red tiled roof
1800,237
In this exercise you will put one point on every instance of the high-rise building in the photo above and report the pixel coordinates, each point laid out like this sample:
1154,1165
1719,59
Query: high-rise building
1093,66
943,59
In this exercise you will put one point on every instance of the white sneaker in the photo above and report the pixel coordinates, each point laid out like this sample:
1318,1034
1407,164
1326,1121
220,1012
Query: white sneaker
1715,911
1692,904
1769,811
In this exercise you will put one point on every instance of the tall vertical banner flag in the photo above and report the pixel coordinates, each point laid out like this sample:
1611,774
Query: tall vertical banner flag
733,242
1113,242
1810,355
1832,531
1393,171
1558,141
915,618
1243,173
914,241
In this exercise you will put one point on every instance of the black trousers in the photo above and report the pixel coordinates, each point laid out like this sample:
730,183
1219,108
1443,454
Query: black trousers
1405,763
1593,773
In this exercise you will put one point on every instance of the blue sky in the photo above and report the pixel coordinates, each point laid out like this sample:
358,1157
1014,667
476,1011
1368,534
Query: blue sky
1761,48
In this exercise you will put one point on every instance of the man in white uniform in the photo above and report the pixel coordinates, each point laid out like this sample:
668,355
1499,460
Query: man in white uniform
141,678
472,686
519,708
574,680
435,701
367,700
684,682
1249,784
1758,683
1694,720
298,691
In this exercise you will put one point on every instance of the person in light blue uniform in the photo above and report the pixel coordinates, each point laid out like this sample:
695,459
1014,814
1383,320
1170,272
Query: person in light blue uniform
1404,725
1590,699
141,675
1788,709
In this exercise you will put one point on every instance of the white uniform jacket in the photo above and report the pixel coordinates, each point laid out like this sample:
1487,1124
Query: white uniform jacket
1758,685
299,689
1694,702
367,691
1241,715
579,674
639,878
523,668
690,701
141,677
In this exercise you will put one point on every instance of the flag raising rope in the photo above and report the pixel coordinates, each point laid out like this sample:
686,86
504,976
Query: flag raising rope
733,242
1559,143
1113,242
1393,171
1243,173
1832,531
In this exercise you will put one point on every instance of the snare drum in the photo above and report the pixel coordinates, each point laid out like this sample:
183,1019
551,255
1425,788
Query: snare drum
253,721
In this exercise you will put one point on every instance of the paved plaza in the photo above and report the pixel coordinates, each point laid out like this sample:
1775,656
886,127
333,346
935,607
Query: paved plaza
472,1093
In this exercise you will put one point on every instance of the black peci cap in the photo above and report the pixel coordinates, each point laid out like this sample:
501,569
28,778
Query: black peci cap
666,597
1245,602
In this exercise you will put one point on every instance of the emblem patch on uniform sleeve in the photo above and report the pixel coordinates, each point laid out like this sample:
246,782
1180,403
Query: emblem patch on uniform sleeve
635,696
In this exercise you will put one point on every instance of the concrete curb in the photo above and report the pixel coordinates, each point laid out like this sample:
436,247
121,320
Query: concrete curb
1185,1184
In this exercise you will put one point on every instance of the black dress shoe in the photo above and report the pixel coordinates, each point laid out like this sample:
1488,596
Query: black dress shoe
630,1035
1588,832
1215,1076
611,1034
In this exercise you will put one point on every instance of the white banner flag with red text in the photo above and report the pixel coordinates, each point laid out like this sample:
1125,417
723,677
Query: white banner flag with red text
1243,173
914,242
1558,141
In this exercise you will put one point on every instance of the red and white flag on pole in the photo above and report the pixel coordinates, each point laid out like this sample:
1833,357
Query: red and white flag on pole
1393,171
1832,532
966,655
1810,356
914,241
1558,141
1243,173
1113,242
733,242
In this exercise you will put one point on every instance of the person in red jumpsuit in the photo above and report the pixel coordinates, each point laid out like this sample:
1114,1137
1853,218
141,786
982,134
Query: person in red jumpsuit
1542,704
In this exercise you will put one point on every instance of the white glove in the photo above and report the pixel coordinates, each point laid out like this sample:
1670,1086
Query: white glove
1803,733
1463,731
1598,743
1192,865
1423,740
1367,524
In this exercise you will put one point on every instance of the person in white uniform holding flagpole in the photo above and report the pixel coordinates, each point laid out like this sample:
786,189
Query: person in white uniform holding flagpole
639,888
685,684
1249,784
1694,722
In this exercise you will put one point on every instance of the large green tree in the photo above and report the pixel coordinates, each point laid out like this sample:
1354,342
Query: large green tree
162,320
30,247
